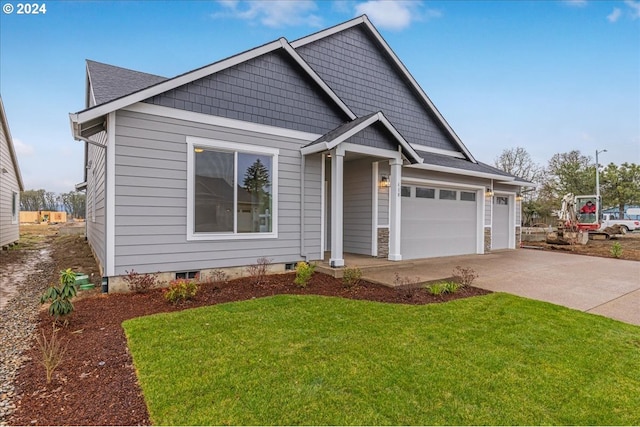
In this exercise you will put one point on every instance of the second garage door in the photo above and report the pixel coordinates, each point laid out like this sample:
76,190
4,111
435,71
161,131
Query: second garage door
438,222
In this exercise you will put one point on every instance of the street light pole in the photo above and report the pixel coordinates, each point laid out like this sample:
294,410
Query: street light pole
598,175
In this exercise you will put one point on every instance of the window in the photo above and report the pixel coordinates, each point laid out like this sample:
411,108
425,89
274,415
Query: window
15,207
468,196
231,191
425,193
501,200
448,195
405,191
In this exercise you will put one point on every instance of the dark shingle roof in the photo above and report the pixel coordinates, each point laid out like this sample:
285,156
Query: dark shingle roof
110,82
454,162
344,128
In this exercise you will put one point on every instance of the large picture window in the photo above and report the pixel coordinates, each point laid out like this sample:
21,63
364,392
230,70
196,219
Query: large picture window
232,191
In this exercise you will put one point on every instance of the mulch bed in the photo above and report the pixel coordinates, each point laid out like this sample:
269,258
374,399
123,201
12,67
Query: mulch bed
96,384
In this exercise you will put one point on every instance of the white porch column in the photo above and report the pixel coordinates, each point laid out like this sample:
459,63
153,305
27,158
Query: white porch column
337,185
394,210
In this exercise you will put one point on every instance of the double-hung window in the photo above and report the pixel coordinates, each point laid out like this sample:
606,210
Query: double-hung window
231,190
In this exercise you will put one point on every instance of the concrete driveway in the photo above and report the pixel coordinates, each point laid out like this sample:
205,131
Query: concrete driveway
608,287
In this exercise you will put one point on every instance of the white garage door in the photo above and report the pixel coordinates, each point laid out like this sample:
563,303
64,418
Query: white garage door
438,222
500,228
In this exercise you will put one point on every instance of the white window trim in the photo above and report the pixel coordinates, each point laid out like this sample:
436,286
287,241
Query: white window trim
15,207
192,143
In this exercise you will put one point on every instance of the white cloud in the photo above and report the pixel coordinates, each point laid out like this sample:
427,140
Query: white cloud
614,15
635,8
576,3
276,13
394,15
22,149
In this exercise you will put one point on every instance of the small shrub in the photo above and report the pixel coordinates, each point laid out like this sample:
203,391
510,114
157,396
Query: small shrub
304,271
351,276
259,270
139,283
217,278
443,288
616,250
464,276
181,290
60,296
405,286
52,352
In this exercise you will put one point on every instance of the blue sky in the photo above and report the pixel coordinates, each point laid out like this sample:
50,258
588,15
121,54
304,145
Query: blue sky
549,76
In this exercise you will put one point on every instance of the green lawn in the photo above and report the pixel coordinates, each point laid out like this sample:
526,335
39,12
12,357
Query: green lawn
290,360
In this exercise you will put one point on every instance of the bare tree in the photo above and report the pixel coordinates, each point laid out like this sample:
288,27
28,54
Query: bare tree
518,162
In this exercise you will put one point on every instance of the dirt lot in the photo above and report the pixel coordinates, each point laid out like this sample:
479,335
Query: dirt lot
630,244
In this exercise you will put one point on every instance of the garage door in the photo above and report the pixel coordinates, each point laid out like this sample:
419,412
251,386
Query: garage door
500,228
438,222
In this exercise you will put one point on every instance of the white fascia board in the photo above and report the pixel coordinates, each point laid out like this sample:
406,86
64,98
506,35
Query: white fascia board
518,183
296,57
457,171
315,148
417,87
157,110
329,31
371,151
450,153
399,137
175,82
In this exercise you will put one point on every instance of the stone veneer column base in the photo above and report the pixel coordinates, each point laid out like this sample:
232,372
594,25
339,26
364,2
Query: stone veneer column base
487,240
383,242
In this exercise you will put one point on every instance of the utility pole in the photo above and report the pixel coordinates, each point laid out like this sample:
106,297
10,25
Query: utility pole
598,175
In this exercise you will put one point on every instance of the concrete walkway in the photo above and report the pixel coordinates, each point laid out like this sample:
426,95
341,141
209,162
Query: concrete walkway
604,286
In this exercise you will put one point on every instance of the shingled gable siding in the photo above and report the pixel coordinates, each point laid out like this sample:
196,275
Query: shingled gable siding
269,90
374,136
151,197
355,68
96,189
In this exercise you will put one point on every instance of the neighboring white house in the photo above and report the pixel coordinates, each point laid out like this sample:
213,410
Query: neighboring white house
285,151
10,185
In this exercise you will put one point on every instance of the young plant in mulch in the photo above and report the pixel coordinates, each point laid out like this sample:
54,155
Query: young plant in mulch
447,287
405,286
139,283
52,352
60,296
464,276
259,270
351,276
217,278
304,271
181,290
616,250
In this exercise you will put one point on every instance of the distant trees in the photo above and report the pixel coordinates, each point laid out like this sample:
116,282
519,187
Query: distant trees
570,172
72,202
620,185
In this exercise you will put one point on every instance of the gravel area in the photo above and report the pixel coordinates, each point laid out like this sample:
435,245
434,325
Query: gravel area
19,318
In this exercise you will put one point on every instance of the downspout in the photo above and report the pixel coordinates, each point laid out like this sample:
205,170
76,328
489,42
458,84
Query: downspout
303,250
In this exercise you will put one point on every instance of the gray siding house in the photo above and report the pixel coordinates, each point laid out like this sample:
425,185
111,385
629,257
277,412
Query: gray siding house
291,151
10,185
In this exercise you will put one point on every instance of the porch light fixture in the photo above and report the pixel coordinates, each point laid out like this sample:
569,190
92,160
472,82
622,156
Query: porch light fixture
384,181
198,150
518,197
489,192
